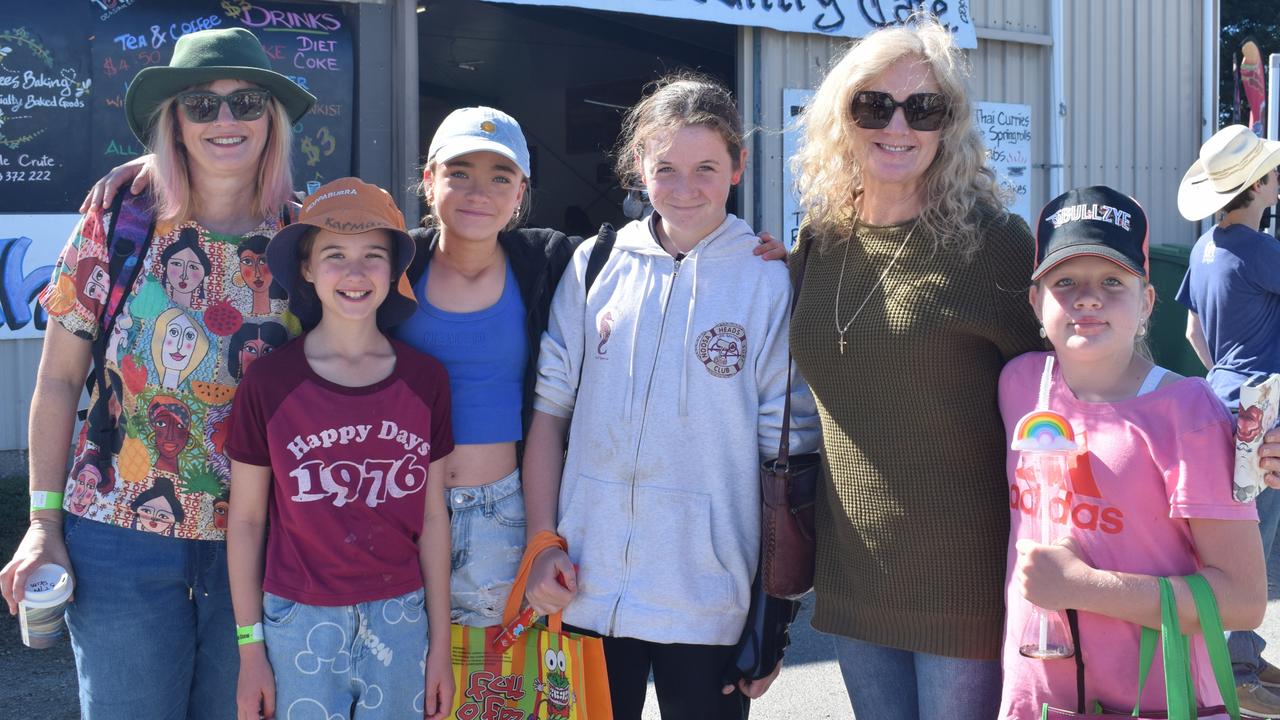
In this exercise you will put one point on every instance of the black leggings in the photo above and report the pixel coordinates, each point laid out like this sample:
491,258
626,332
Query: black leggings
686,677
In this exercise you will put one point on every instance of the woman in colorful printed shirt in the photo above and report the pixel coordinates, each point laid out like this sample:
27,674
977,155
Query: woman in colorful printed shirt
151,621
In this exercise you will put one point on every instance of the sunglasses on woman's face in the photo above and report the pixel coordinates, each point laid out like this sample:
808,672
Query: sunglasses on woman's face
202,107
872,110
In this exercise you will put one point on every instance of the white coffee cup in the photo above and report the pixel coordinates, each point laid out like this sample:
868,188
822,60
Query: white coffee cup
40,612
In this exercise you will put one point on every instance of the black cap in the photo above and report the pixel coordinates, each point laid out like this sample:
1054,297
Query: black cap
1096,221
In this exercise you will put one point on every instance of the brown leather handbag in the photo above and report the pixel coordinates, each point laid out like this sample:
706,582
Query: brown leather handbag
788,489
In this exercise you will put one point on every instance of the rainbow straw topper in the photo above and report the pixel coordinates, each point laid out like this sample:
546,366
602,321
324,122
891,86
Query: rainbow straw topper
1044,431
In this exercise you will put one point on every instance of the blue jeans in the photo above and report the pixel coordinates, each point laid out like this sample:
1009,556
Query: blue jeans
365,660
151,625
1246,646
889,684
487,530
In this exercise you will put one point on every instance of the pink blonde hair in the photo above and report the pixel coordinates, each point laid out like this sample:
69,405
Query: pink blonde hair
172,178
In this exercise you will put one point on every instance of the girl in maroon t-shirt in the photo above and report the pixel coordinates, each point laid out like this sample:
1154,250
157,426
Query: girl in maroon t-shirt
338,438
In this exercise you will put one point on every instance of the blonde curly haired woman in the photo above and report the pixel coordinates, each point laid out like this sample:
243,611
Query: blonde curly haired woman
913,298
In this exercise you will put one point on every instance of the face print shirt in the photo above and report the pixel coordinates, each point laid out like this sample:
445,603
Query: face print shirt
349,472
202,310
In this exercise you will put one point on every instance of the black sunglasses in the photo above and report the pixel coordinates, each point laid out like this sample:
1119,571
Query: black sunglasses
202,107
872,110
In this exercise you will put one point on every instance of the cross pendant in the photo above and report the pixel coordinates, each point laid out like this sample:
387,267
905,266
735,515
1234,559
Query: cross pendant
842,343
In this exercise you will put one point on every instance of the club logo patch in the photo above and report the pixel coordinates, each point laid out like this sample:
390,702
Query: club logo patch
722,348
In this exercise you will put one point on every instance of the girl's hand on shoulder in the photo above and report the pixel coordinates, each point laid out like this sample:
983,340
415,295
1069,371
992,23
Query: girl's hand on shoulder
256,686
1269,458
438,700
770,248
552,582
137,170
1050,576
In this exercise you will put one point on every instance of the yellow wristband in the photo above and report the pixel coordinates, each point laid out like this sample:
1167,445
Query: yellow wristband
46,500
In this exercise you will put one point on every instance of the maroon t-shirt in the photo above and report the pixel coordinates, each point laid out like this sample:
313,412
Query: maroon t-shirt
349,467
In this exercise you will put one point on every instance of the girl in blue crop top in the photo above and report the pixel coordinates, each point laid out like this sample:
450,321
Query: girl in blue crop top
484,296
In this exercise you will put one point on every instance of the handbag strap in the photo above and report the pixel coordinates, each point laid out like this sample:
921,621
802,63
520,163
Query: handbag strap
544,540
783,463
1215,641
1176,655
1180,689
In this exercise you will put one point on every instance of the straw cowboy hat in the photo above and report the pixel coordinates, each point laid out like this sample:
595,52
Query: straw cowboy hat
202,57
1230,162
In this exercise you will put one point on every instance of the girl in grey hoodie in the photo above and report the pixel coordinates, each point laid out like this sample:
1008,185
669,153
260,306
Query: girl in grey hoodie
669,381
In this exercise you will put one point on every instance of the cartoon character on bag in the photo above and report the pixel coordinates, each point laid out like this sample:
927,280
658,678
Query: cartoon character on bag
555,692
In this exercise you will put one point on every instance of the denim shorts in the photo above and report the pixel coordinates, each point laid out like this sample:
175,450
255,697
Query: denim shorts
487,530
366,660
151,625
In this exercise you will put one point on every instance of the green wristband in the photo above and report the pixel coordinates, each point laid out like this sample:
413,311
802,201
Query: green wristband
46,500
249,634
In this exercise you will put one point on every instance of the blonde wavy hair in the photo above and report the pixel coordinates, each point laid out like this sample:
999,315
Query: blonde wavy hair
273,185
828,173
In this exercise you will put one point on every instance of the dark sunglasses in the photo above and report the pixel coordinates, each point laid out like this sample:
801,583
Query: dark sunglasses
202,107
872,110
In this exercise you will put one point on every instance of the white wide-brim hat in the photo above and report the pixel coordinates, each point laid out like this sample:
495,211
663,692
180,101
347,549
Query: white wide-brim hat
1230,162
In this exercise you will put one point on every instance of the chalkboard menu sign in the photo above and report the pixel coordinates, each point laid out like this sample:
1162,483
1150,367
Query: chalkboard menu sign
65,67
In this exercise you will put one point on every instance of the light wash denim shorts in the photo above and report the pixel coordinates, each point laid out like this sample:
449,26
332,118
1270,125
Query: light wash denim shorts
328,661
487,530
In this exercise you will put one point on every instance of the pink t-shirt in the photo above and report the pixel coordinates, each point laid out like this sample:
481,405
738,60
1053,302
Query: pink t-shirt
1154,462
348,465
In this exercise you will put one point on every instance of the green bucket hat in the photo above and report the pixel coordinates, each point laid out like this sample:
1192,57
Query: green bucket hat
202,57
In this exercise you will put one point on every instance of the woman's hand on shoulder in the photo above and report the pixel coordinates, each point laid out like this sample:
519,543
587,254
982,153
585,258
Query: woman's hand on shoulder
42,544
256,686
769,247
553,582
138,170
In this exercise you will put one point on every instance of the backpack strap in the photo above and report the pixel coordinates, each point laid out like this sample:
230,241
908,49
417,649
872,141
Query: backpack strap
595,263
599,255
128,237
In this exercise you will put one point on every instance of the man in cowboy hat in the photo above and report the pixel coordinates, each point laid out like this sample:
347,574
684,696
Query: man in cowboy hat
1232,295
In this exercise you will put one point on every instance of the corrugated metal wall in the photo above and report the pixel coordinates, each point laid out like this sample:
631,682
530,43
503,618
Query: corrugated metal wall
1132,93
18,361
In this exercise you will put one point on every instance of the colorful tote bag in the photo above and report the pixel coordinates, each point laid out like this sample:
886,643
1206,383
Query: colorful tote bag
544,674
1179,680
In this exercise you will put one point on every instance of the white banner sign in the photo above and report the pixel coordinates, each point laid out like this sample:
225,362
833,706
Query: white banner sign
793,102
844,18
29,246
1006,131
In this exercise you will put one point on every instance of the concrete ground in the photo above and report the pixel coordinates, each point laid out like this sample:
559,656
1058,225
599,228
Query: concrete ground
809,687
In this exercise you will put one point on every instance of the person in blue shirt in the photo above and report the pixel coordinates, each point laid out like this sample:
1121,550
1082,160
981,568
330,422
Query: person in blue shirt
1232,295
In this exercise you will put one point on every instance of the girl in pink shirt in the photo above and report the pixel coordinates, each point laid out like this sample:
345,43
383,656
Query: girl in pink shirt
1151,495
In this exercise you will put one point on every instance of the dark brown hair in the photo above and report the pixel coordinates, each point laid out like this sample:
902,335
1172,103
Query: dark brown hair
675,101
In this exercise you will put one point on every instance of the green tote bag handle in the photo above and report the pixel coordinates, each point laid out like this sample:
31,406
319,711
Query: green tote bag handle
1179,682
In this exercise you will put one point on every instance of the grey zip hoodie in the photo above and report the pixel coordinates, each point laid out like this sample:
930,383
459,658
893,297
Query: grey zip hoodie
683,387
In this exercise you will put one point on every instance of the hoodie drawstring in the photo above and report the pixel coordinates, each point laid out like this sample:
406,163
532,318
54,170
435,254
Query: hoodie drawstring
687,348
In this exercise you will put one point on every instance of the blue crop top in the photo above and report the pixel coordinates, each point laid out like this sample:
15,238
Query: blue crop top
485,353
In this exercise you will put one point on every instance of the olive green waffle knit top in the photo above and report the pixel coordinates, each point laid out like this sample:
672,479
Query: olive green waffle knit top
913,526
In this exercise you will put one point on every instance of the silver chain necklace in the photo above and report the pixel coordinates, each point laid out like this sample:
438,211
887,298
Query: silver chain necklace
841,330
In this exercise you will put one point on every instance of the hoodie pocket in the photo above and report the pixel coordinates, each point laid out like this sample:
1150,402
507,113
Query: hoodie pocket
594,520
675,564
